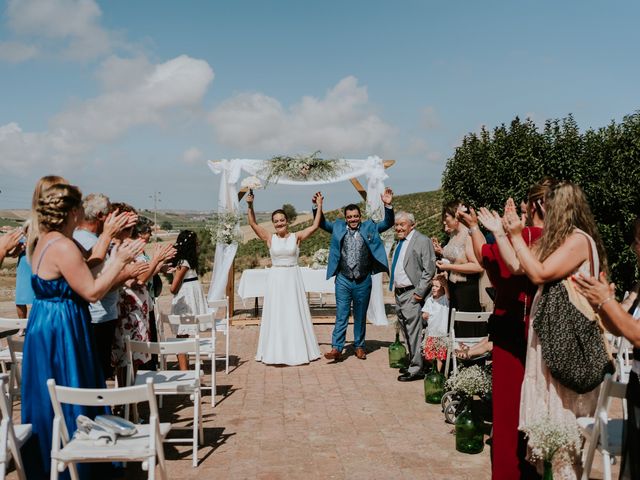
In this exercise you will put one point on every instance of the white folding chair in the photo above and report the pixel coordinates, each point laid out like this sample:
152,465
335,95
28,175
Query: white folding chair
223,326
9,326
16,347
207,345
12,437
623,360
602,432
171,382
455,340
143,446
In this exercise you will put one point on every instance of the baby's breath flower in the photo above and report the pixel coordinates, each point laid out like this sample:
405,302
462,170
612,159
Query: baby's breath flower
549,437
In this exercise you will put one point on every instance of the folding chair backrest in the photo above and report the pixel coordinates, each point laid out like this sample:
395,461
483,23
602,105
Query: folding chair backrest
467,317
12,323
5,410
186,345
222,319
95,397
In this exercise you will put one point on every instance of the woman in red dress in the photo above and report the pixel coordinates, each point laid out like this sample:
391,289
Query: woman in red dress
508,326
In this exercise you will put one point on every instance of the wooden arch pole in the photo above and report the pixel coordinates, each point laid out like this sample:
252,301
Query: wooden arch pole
241,193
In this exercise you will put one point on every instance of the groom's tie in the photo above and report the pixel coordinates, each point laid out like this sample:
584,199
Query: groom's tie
396,254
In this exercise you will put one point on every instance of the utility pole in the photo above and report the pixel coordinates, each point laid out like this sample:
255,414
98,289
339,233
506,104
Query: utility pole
156,198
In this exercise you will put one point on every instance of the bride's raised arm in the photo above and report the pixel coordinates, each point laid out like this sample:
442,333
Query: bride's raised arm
261,232
307,232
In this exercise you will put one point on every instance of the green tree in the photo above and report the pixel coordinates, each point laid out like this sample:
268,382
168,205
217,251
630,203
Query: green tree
491,166
290,211
166,225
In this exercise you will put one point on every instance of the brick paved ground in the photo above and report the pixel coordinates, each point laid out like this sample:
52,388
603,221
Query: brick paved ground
339,421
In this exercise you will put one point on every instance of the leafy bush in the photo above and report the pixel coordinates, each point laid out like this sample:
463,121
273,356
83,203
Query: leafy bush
489,167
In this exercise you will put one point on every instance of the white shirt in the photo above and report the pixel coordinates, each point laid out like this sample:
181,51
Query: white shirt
438,310
400,278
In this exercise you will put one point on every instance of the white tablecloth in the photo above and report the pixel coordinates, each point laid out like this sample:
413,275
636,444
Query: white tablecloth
253,282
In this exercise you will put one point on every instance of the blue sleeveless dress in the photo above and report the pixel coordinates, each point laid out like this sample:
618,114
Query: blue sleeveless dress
59,345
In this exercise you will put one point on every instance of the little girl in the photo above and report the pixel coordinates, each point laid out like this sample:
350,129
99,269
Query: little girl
188,297
436,312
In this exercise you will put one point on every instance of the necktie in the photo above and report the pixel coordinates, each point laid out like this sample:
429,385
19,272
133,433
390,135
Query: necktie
396,255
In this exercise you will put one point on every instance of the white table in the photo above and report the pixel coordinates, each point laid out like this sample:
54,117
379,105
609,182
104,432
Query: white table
253,283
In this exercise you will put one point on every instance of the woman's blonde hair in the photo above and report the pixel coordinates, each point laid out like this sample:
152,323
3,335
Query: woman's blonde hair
535,198
34,231
566,209
55,205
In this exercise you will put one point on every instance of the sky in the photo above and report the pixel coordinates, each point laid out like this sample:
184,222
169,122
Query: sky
132,98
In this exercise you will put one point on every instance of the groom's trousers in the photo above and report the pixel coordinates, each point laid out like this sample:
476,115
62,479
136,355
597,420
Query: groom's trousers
348,293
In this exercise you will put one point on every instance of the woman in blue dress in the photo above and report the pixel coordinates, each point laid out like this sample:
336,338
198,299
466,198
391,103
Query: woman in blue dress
58,341
24,291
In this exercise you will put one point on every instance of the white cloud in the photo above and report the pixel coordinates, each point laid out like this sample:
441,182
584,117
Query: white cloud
16,52
192,155
72,25
342,122
149,96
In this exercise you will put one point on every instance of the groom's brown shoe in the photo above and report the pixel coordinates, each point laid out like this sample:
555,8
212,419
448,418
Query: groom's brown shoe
334,354
360,353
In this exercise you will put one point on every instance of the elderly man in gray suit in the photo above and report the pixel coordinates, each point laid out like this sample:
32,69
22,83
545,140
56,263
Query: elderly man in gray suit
412,269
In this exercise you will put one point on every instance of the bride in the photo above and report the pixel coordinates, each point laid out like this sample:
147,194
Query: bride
286,330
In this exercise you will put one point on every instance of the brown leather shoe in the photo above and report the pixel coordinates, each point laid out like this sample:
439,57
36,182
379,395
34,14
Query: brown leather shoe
360,353
334,354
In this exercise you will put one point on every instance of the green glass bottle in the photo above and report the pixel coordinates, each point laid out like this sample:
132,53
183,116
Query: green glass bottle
548,470
469,435
433,386
397,353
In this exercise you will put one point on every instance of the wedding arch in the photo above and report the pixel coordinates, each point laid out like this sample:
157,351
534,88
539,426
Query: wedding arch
230,194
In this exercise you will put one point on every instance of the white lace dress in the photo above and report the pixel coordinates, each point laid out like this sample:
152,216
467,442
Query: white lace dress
286,329
190,300
543,395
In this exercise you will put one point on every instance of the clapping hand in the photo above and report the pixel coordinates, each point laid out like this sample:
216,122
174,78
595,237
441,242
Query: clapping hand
468,218
387,196
164,252
437,247
116,222
10,241
129,249
491,221
250,198
512,222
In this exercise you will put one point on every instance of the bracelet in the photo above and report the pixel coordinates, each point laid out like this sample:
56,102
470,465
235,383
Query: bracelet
499,235
473,229
518,250
600,305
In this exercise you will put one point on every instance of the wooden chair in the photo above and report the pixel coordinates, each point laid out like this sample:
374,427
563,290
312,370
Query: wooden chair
455,340
12,437
171,382
600,431
143,446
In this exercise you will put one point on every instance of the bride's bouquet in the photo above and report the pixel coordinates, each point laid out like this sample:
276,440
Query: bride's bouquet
251,183
548,437
320,259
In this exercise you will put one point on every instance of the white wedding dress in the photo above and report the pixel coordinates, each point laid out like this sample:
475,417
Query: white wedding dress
286,329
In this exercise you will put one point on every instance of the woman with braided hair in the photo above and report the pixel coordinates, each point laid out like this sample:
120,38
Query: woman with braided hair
59,342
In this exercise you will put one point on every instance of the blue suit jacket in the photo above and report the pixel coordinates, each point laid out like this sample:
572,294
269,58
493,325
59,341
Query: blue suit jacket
369,230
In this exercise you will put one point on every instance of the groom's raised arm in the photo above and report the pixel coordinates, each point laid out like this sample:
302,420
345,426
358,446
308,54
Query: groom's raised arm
389,217
325,225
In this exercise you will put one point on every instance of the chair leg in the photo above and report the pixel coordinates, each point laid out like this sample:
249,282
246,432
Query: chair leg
53,475
196,427
226,352
73,470
588,458
161,460
606,465
3,468
17,460
214,388
151,474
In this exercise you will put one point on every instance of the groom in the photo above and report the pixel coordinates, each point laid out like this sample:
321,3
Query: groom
355,254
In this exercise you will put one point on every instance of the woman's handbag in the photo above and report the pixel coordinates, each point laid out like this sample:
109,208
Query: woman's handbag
571,337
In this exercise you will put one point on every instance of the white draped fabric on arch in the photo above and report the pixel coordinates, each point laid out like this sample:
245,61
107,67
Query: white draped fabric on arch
230,172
